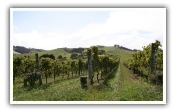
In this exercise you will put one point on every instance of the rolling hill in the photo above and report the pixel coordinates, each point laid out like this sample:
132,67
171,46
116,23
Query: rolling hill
66,52
21,49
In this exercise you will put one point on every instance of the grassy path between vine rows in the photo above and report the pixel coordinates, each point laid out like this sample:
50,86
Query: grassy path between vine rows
133,88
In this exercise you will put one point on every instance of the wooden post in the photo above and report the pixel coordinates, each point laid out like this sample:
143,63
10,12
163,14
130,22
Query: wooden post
79,66
25,82
83,80
152,62
38,72
90,66
153,52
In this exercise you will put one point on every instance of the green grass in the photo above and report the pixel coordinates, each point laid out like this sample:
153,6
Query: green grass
136,89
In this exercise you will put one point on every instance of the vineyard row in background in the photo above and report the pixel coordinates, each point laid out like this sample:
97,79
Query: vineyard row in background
33,70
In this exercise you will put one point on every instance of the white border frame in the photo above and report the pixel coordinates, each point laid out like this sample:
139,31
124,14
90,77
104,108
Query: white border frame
83,102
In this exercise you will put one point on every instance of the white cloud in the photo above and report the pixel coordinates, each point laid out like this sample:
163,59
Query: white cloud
132,29
38,40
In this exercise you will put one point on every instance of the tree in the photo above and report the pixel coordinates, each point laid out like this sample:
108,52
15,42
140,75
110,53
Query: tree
48,56
74,56
60,57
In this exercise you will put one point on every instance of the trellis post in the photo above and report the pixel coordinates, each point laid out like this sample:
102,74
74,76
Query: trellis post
89,54
38,72
152,62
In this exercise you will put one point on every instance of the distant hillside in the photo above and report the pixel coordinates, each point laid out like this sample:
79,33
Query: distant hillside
124,48
15,52
122,52
68,52
21,49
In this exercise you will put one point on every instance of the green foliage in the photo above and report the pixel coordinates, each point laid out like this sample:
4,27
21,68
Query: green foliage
17,63
60,57
46,66
21,66
74,56
28,65
140,61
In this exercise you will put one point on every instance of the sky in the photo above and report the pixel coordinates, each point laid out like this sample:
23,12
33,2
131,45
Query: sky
50,29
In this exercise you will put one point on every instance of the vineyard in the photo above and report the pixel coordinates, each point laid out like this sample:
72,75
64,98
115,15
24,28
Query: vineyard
141,62
116,75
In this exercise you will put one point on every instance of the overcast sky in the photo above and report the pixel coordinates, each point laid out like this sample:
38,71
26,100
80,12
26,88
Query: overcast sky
129,27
